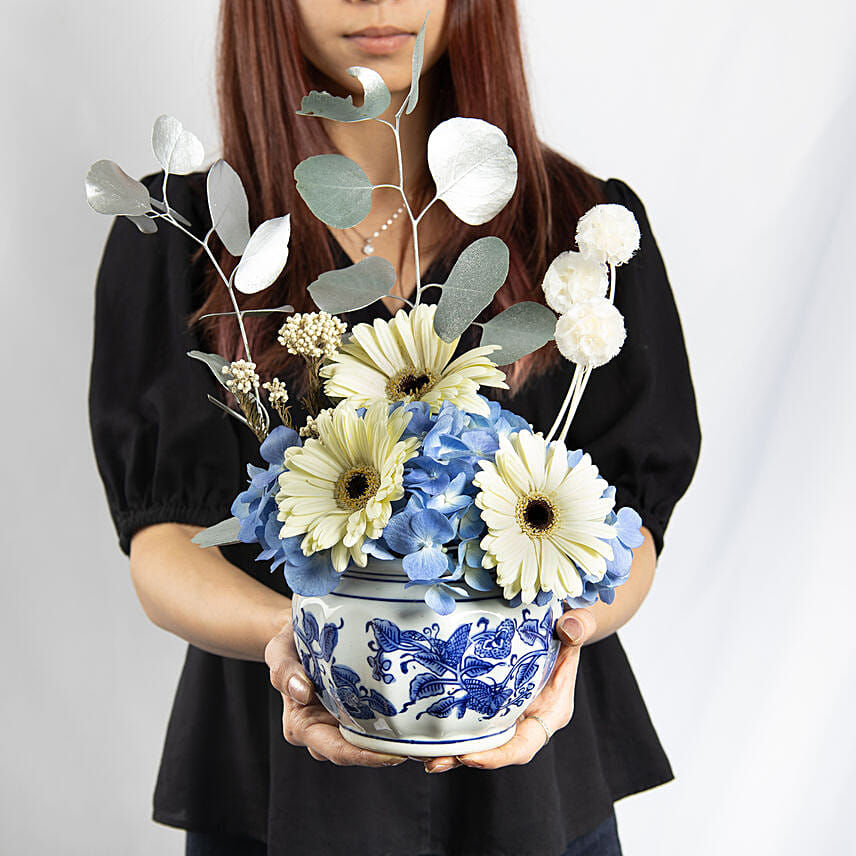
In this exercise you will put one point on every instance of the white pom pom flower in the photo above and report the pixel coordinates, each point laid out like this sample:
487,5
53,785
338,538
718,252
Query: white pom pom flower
591,332
608,233
572,278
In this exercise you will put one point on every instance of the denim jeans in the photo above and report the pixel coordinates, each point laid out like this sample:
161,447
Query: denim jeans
602,841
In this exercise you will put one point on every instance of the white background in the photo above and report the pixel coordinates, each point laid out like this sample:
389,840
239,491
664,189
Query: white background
735,123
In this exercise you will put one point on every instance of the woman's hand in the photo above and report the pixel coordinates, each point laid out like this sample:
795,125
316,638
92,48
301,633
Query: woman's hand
305,721
554,705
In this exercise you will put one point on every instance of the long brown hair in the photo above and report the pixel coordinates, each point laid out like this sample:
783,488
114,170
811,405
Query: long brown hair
262,75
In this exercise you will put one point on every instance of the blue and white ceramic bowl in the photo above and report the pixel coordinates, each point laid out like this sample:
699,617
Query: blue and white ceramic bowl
403,680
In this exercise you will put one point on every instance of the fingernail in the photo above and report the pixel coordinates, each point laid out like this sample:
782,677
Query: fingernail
469,763
439,768
572,629
394,761
299,689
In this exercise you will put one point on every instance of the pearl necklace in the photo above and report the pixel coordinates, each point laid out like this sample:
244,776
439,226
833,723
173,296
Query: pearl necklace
368,246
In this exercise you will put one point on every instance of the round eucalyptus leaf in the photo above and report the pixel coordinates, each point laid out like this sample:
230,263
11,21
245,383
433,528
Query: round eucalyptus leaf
478,274
264,256
327,106
110,190
227,202
354,287
473,167
178,151
336,189
519,330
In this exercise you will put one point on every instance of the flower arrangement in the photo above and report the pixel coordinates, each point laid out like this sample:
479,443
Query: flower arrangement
400,456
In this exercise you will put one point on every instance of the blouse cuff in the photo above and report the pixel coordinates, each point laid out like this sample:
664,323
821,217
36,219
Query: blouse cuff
128,523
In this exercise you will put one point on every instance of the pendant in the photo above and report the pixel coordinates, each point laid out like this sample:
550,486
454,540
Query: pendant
368,248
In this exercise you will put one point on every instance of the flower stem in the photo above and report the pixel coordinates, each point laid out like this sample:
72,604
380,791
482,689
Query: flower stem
575,403
414,222
565,403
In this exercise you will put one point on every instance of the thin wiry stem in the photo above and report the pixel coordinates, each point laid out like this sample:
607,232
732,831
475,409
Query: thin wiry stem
572,386
414,223
575,403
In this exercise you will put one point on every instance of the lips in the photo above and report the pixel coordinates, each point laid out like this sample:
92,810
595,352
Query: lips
380,40
380,32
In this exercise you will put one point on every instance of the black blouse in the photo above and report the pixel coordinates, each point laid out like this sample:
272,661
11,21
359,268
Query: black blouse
166,454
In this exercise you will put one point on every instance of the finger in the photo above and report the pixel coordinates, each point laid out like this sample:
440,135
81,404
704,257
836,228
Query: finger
441,764
521,749
326,740
286,673
576,626
316,755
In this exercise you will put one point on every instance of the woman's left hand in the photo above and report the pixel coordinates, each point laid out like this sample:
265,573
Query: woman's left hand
554,705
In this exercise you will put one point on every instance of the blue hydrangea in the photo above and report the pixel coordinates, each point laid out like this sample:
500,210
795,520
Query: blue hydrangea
256,508
627,523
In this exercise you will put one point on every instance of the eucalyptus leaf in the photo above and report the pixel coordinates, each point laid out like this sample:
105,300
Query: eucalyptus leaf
220,534
230,211
473,167
110,190
217,403
327,106
477,275
178,151
353,287
416,70
264,256
336,189
265,311
146,225
214,362
519,330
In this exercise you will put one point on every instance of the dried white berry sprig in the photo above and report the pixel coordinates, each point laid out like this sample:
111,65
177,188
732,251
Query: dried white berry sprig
278,398
590,330
240,378
314,335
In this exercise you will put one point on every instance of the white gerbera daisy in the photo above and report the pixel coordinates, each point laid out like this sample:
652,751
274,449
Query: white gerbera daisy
338,489
543,519
405,360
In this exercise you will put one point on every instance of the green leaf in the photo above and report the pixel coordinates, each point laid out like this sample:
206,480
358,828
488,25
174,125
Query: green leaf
327,106
214,362
335,188
520,330
477,275
220,534
418,53
353,287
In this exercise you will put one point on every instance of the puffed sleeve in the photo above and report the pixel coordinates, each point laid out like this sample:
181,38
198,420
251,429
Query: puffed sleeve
637,417
164,452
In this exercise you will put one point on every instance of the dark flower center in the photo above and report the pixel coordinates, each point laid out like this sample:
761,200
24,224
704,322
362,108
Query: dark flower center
355,487
536,515
409,383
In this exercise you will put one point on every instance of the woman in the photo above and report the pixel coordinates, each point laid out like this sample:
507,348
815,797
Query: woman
236,772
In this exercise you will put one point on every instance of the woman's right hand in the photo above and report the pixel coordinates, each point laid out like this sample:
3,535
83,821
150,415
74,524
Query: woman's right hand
305,721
